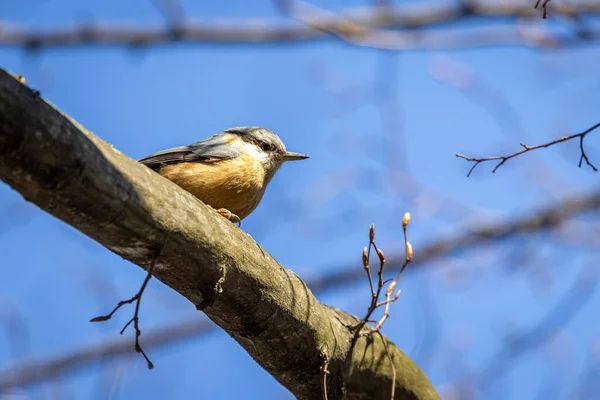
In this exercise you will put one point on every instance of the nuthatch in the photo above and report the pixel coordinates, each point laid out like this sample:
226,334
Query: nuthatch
228,171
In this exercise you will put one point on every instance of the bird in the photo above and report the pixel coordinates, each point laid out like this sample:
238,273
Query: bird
228,171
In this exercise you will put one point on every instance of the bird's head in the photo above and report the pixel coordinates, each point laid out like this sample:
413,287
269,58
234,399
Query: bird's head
265,146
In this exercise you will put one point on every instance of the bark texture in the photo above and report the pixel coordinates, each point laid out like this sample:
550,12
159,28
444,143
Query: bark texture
70,173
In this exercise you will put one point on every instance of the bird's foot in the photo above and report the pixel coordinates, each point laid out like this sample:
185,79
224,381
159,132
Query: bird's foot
230,216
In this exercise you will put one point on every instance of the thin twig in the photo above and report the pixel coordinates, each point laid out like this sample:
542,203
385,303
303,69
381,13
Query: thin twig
374,304
387,351
390,297
366,257
324,373
386,311
135,319
408,248
544,4
375,293
526,148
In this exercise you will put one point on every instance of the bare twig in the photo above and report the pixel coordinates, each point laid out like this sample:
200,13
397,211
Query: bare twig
544,4
389,356
526,148
135,319
325,372
388,300
374,292
390,297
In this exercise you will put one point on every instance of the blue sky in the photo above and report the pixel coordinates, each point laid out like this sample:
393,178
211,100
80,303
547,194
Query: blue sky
325,99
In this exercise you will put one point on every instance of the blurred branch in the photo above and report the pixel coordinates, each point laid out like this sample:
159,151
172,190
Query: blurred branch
534,222
368,33
172,11
73,175
526,148
559,316
37,370
406,27
16,329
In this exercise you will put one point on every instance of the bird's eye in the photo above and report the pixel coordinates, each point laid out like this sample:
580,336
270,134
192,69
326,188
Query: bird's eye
265,146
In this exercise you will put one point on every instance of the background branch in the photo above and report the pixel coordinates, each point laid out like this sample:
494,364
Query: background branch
543,331
382,26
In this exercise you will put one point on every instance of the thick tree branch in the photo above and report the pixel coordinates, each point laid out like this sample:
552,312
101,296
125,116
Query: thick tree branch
37,369
405,28
67,171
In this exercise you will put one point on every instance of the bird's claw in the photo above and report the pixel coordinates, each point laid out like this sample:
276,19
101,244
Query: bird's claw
230,216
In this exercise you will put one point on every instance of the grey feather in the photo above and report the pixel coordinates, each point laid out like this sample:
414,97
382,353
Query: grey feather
210,149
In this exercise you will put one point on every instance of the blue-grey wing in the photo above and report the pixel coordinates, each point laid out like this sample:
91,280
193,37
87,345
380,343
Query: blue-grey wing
213,148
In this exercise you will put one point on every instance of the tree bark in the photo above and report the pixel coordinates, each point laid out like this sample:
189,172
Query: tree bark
70,173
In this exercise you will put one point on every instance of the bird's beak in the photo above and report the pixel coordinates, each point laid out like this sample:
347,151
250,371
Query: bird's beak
291,156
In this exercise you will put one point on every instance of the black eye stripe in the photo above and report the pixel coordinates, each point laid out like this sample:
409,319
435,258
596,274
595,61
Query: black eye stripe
265,146
262,144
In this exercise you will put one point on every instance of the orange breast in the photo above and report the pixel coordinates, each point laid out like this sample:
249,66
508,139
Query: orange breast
237,184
